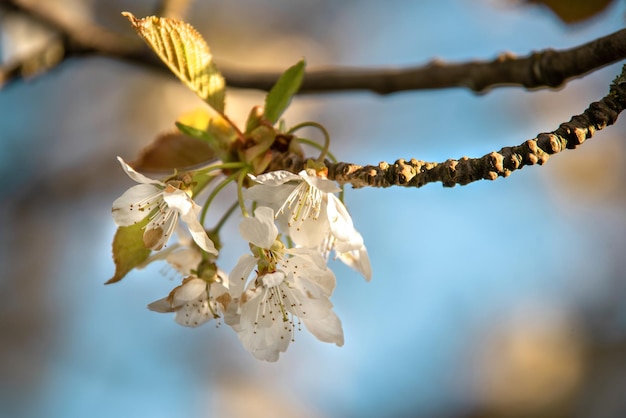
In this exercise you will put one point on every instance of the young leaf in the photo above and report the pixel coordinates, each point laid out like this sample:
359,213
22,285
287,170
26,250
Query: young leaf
213,129
255,117
197,118
184,51
263,138
281,93
200,134
129,250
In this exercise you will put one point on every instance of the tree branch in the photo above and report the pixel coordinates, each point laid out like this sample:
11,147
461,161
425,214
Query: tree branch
80,36
39,61
176,9
416,173
547,68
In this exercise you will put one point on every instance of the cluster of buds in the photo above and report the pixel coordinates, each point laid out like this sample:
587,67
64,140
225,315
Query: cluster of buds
294,222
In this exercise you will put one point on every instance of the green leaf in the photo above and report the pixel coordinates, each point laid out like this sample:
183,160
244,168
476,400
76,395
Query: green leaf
129,250
280,95
263,138
255,117
184,51
198,134
213,129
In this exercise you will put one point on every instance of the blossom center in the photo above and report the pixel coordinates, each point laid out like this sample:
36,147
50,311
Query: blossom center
306,201
275,303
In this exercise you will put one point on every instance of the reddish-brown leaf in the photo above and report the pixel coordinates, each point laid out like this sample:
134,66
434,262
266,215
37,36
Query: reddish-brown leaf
171,151
574,11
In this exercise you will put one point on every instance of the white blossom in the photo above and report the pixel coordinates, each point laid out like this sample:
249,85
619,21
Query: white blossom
307,210
195,301
183,256
291,286
162,203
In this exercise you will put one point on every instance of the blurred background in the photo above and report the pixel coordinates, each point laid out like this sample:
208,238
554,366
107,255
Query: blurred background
496,299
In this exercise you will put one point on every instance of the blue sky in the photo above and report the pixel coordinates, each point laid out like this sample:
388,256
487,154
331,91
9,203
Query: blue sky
448,263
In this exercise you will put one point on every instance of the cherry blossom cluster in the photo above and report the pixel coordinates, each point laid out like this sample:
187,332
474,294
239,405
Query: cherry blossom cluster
293,223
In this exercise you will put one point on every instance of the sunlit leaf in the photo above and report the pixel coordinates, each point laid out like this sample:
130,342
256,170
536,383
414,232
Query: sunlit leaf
215,124
184,51
280,95
129,250
197,118
573,11
173,150
214,129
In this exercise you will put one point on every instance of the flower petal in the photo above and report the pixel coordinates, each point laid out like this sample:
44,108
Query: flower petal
239,274
276,178
266,343
271,196
304,306
321,183
260,230
358,260
254,308
262,333
194,312
161,306
178,200
273,279
309,272
190,211
191,289
328,329
138,177
310,232
341,226
198,233
183,258
317,284
135,204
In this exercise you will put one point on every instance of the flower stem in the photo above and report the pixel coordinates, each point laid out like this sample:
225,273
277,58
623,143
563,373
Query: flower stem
314,144
208,294
201,180
214,193
323,130
242,175
207,172
222,166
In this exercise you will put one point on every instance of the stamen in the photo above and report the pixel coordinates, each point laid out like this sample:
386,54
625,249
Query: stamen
260,308
210,301
283,311
306,201
147,203
295,303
